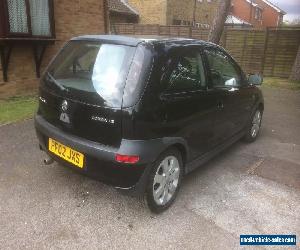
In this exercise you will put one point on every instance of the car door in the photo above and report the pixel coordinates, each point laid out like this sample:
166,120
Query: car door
189,109
228,83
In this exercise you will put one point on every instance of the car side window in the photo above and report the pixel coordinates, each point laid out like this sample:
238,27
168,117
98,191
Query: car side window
222,70
186,72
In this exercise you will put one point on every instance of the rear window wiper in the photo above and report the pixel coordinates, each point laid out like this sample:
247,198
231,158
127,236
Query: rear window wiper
59,85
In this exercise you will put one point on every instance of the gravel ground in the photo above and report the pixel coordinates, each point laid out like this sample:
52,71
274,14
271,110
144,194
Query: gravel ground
248,189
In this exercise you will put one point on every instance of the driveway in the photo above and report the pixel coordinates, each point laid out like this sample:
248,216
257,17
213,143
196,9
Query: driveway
248,189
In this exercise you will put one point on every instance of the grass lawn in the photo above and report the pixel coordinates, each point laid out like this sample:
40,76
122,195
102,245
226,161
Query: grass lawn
281,83
17,108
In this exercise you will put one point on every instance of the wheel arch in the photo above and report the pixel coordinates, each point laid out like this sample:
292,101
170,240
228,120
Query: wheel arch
150,150
261,106
182,150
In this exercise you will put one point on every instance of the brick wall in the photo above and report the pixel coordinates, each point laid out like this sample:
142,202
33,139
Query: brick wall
118,18
184,10
163,12
72,18
270,15
242,9
151,11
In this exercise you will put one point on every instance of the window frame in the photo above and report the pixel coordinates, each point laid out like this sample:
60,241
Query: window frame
258,13
5,26
179,51
232,62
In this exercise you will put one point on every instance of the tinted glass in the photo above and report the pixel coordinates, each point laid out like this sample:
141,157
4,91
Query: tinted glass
138,75
222,69
92,72
186,71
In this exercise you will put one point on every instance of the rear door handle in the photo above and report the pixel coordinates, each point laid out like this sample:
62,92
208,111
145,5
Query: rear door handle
233,89
171,98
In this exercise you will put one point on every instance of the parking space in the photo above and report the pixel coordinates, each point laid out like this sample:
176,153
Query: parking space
248,189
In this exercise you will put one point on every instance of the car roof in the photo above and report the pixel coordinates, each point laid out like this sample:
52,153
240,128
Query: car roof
135,40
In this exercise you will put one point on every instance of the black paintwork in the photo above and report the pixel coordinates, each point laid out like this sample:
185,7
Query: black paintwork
200,123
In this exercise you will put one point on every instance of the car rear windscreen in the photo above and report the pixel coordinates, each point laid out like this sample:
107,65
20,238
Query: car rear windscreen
91,72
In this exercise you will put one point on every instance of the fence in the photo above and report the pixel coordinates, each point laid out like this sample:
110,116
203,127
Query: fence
271,51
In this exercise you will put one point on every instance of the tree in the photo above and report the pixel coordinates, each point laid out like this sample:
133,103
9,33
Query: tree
295,75
219,21
295,22
291,23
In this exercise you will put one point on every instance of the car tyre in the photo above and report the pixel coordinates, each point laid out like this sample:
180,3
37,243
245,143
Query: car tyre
254,126
164,181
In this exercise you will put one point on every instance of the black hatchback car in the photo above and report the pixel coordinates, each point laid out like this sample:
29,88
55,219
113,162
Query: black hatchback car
139,114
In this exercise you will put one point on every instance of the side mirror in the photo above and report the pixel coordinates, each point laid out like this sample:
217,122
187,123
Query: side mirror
255,79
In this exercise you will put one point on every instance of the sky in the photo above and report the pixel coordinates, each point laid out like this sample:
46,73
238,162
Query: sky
291,7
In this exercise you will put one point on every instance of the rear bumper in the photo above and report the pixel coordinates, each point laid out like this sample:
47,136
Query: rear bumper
99,162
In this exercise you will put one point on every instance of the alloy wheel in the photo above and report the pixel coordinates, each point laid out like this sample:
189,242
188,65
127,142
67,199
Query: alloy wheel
166,180
256,122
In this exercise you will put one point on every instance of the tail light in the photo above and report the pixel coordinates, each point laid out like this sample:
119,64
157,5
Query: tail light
131,159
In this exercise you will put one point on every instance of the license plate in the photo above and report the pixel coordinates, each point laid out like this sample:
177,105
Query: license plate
66,153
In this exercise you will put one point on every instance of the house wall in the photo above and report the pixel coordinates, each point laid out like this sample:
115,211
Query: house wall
242,9
72,18
121,18
151,11
184,10
270,15
163,12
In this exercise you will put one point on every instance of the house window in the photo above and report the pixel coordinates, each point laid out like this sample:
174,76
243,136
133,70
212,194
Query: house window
202,25
258,14
17,16
40,18
183,22
176,22
28,18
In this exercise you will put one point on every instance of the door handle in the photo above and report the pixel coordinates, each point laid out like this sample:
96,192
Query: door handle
171,98
220,105
233,89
